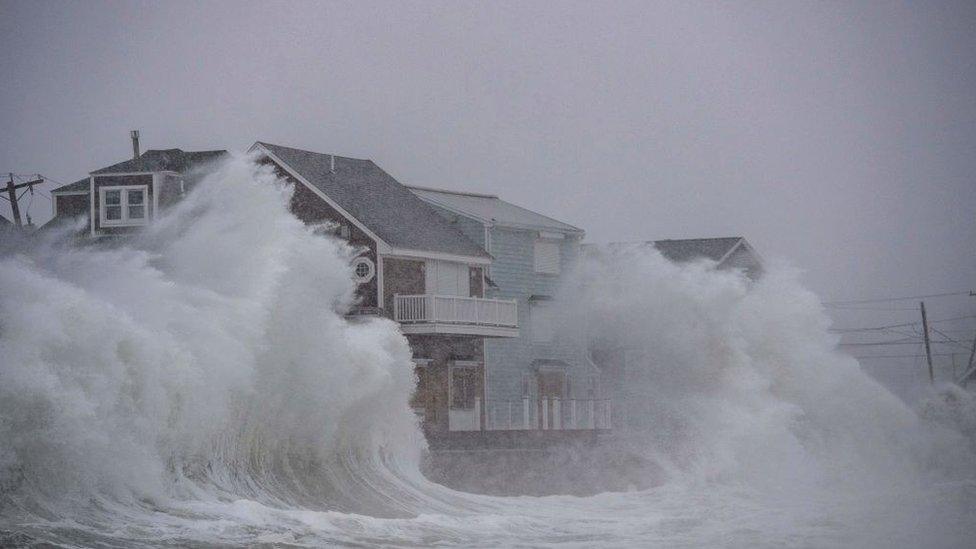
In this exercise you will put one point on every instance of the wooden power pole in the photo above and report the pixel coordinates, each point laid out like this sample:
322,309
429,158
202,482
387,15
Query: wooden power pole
928,348
969,368
12,195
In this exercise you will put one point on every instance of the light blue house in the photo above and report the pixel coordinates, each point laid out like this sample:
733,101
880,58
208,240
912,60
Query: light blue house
543,378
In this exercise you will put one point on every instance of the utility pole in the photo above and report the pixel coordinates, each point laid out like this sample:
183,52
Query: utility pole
928,348
968,372
12,195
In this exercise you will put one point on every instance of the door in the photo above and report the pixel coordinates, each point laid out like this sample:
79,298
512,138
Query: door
448,278
464,388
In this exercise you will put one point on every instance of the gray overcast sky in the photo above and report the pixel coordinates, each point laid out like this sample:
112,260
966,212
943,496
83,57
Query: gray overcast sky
839,136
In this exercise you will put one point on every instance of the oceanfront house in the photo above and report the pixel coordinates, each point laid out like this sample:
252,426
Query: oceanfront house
724,253
469,278
624,367
543,378
125,196
414,267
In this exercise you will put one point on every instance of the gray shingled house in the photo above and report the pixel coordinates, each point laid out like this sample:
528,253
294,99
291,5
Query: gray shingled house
414,267
127,195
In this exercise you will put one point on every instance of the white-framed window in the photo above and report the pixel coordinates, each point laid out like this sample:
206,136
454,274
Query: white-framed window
123,205
541,322
547,256
363,269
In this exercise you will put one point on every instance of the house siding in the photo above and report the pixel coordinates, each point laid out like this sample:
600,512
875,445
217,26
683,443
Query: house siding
71,205
311,209
401,276
513,271
431,394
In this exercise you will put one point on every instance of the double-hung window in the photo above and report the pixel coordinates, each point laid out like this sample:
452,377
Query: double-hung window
122,206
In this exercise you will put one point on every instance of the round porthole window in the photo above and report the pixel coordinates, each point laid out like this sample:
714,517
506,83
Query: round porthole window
363,269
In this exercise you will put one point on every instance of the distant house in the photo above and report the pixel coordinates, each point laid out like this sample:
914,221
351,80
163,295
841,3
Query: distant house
727,253
543,378
624,367
414,267
127,195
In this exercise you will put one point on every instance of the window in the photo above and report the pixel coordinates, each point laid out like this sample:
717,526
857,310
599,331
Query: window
121,206
547,256
541,322
363,270
464,386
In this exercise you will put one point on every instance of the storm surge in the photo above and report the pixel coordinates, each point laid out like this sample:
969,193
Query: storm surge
207,359
199,383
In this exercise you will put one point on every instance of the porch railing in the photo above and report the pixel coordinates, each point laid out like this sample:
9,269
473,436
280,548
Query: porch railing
548,414
451,309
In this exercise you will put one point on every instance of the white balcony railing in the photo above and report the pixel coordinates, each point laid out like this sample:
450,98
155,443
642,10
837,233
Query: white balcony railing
452,309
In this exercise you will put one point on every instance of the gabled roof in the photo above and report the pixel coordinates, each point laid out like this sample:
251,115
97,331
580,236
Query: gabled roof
169,160
374,198
490,209
686,249
78,186
690,249
172,160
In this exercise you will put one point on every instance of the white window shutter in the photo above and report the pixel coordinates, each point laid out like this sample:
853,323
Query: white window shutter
547,256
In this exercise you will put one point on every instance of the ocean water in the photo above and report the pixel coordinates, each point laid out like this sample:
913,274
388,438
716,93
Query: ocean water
198,385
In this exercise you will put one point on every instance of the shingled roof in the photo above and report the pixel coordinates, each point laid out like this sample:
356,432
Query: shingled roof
490,209
378,201
173,160
78,186
682,250
690,249
153,160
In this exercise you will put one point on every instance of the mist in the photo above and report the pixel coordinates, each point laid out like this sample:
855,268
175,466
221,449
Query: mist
177,377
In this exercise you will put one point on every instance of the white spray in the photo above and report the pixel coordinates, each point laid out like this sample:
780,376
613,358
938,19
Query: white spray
200,384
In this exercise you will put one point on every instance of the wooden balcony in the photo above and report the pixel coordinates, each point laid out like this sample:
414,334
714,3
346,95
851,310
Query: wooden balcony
451,314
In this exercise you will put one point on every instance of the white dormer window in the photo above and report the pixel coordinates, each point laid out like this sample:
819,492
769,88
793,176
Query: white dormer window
122,206
547,253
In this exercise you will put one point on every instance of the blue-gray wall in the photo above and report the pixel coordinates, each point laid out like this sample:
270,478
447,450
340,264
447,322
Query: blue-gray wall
507,360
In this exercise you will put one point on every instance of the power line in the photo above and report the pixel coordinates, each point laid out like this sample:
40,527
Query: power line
952,340
885,309
902,356
887,299
877,328
884,343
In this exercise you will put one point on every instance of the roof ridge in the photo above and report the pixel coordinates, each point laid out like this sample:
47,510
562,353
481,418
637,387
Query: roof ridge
447,191
693,239
266,144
